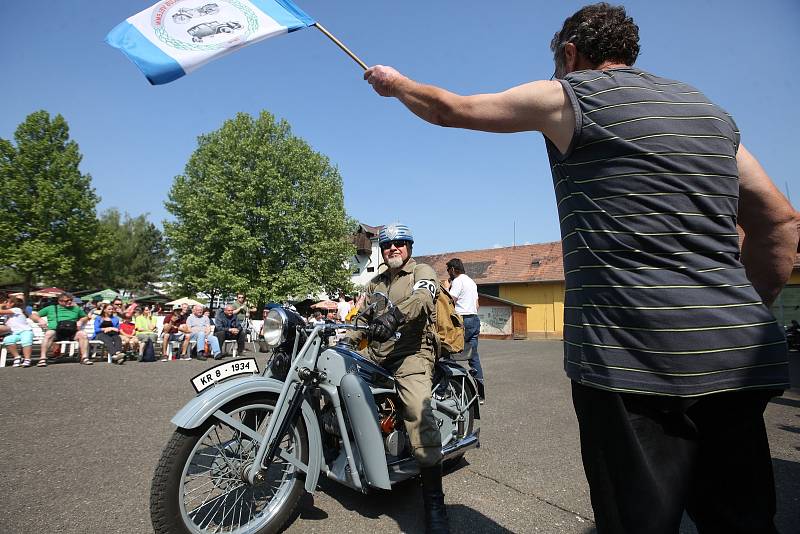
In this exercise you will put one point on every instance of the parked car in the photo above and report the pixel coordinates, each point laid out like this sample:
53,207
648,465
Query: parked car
185,14
207,29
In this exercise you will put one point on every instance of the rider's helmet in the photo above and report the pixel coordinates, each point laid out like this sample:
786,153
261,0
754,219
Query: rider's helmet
395,232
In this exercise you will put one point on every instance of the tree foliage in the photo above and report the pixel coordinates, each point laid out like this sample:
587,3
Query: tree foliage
48,225
137,251
257,210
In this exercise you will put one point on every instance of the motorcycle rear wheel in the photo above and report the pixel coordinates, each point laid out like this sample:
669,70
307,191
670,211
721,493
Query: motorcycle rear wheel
198,485
460,394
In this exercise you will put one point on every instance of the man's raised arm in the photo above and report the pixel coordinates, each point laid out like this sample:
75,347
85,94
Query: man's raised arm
535,106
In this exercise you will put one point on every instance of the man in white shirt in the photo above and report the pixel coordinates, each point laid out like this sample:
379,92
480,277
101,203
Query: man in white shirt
343,308
465,293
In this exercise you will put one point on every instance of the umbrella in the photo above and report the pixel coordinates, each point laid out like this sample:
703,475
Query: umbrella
50,291
325,305
106,294
184,300
33,294
152,298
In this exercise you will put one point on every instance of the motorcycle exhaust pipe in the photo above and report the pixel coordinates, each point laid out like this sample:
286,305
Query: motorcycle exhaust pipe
469,442
408,467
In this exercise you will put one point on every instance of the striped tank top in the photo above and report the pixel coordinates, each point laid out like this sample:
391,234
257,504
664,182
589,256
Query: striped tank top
657,300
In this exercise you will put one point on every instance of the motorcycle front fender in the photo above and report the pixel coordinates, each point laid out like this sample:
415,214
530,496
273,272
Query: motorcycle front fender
200,408
363,415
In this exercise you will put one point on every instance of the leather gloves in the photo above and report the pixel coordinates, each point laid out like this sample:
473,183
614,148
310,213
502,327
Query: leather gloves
383,328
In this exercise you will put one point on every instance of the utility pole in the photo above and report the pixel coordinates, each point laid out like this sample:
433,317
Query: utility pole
514,237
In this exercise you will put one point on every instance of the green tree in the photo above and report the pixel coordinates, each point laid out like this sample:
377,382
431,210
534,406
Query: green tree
48,225
257,210
138,252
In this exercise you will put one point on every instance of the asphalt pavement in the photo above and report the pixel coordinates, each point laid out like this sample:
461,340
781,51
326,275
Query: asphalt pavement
80,444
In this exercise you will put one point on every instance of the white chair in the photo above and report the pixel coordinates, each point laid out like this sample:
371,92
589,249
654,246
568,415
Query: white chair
253,332
38,336
230,343
95,346
174,347
68,348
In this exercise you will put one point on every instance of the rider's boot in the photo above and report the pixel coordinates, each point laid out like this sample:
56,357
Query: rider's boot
433,497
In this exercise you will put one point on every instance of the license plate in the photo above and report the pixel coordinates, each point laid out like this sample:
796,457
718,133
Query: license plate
223,371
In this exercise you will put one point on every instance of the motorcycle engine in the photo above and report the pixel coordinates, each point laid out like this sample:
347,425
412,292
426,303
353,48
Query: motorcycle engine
395,440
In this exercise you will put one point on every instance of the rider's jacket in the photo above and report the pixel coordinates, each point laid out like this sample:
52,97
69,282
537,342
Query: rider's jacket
412,288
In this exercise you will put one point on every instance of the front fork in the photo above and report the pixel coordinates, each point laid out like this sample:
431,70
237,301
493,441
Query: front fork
284,418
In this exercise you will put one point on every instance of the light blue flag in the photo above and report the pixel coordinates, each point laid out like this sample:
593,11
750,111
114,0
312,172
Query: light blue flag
175,37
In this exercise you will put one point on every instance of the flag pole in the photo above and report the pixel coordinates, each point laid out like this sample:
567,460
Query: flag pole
340,45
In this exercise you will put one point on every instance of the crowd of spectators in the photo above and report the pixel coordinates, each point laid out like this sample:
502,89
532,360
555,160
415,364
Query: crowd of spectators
124,330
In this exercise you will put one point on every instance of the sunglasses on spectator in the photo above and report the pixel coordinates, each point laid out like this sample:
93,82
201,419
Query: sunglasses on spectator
395,244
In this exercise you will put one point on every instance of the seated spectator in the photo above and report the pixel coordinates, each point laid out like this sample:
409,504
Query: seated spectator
174,328
146,328
131,309
20,332
97,309
200,330
106,329
227,326
316,319
64,322
117,303
127,332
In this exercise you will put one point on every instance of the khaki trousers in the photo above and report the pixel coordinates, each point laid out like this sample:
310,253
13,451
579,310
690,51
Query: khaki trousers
414,375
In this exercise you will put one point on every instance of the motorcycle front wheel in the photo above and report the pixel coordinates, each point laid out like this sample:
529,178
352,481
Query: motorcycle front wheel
199,484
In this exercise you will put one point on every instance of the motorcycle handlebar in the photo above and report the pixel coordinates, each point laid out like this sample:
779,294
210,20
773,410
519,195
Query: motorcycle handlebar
345,326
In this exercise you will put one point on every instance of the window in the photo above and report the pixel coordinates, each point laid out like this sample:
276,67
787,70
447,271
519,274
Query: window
492,290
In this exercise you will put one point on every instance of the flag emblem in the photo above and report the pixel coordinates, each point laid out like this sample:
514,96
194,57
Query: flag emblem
194,25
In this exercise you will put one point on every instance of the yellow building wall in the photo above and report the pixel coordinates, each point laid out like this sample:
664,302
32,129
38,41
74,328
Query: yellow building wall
545,303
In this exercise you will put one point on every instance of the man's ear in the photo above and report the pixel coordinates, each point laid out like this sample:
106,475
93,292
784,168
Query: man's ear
570,57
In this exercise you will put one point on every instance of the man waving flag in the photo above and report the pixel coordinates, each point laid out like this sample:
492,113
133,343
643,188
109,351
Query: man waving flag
175,37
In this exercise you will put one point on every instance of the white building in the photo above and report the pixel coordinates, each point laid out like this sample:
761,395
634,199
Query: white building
364,265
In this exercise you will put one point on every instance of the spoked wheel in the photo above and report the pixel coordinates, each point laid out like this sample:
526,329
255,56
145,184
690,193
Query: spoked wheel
458,396
200,483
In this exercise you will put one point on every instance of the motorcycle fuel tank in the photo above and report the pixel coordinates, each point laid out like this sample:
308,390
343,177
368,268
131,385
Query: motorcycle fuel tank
339,360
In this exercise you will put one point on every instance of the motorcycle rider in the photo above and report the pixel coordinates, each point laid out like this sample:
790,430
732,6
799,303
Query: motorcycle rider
412,287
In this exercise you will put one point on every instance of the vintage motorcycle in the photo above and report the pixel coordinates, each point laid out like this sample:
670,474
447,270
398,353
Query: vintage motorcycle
247,447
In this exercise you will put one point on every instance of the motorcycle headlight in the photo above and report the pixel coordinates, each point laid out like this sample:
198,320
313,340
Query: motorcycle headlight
275,326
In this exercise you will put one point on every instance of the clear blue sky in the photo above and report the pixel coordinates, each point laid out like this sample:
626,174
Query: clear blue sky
135,137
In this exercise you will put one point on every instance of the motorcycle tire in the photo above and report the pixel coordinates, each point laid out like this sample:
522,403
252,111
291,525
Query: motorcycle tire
221,454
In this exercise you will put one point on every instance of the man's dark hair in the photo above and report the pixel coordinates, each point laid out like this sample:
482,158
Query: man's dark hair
600,32
456,265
